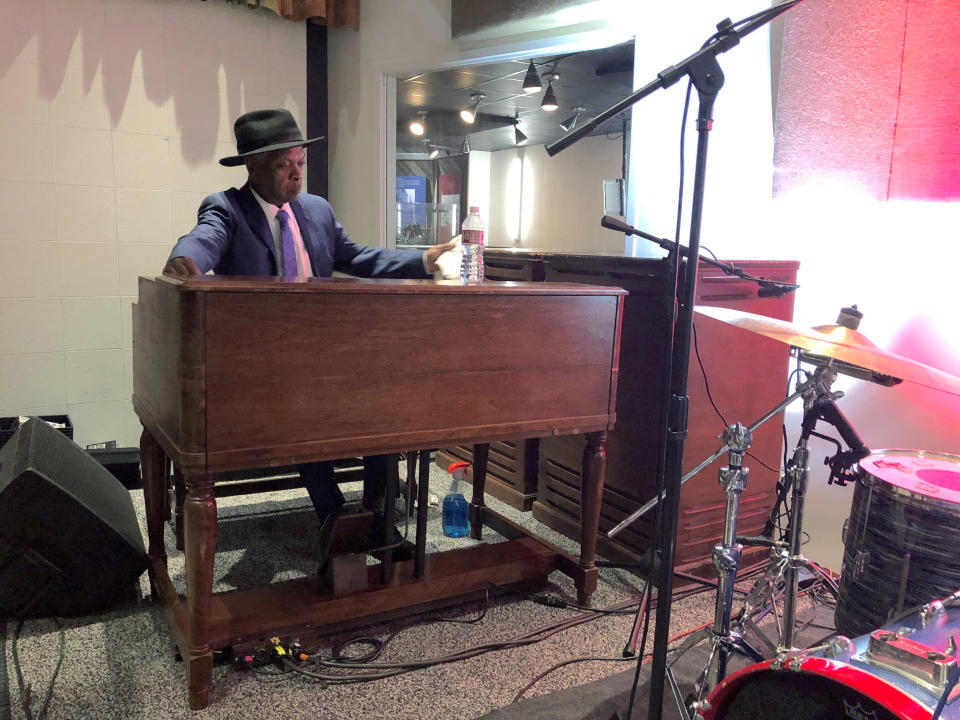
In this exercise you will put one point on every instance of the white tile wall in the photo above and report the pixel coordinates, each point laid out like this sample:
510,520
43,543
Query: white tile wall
91,323
29,269
20,99
143,216
140,104
96,183
98,422
94,375
141,161
25,209
33,379
30,325
84,213
89,269
25,152
81,99
82,156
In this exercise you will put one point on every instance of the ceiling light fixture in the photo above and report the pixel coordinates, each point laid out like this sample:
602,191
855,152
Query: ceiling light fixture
466,145
434,153
549,102
531,81
419,124
571,122
518,137
469,113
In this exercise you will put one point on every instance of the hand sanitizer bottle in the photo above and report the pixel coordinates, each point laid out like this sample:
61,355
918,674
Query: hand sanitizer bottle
456,522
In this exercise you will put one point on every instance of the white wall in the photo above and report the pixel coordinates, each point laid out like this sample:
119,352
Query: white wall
112,118
740,144
553,203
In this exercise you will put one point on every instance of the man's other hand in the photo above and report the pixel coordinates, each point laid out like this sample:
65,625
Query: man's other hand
431,254
181,267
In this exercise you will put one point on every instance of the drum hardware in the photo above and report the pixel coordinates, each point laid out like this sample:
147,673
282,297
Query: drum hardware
831,350
819,404
726,560
786,560
906,669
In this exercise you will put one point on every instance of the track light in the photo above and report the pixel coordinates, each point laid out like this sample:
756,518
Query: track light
571,122
518,137
419,124
531,81
549,102
434,153
469,113
466,145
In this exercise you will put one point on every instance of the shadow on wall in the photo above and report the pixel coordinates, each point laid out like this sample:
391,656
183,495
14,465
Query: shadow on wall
170,51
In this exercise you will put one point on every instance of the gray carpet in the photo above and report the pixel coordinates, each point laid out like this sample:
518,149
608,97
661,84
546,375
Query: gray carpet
122,664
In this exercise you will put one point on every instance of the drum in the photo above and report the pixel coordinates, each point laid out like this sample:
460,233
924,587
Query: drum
897,672
901,541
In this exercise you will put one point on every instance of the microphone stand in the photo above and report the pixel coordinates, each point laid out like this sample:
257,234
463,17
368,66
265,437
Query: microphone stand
707,77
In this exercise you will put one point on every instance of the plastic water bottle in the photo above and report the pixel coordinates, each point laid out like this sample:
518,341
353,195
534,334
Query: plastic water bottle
472,240
456,521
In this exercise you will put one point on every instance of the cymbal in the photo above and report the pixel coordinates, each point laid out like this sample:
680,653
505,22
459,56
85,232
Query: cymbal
852,352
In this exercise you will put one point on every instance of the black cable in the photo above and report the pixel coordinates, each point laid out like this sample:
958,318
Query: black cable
559,665
26,692
472,621
5,712
706,382
384,670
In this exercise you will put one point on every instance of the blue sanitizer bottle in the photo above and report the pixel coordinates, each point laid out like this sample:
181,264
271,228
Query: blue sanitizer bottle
456,522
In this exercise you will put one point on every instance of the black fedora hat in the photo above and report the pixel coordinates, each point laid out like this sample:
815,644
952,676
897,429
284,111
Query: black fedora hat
265,130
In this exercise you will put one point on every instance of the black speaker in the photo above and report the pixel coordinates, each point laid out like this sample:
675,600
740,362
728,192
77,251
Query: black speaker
69,539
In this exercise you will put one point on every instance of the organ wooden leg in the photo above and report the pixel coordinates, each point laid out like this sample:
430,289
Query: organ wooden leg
153,463
480,453
200,542
591,492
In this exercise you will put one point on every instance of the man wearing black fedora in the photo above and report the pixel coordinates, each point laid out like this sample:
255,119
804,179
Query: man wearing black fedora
270,227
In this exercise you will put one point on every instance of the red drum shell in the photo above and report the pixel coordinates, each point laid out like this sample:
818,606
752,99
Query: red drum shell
808,685
810,677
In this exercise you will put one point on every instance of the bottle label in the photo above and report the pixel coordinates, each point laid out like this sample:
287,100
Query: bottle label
472,237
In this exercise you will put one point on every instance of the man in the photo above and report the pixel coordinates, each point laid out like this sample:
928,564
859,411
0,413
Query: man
270,227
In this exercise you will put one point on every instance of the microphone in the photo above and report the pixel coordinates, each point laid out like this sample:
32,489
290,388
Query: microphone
612,223
765,288
772,288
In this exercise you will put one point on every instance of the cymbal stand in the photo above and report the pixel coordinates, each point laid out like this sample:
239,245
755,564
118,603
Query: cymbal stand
726,560
819,404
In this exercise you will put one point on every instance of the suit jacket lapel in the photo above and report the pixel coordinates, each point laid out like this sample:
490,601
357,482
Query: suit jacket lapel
257,221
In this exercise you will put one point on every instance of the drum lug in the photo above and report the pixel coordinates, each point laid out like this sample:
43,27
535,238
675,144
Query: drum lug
932,611
841,648
701,706
860,562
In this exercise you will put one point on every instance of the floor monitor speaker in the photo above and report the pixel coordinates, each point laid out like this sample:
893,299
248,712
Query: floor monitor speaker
70,543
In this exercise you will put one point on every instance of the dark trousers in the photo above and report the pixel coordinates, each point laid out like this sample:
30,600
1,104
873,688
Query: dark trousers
318,479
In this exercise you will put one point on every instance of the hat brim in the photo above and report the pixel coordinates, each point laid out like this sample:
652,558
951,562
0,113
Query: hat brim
235,160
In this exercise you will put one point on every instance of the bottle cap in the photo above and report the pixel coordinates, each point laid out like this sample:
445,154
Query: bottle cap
475,209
